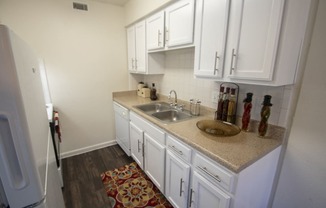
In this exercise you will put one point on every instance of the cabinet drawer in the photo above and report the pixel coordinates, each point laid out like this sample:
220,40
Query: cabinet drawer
149,128
178,148
122,111
213,172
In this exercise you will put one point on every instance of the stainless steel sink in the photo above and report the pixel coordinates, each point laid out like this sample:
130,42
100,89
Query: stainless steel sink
172,115
154,107
164,112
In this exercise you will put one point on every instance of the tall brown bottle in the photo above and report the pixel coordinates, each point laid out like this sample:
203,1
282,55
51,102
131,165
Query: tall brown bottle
225,104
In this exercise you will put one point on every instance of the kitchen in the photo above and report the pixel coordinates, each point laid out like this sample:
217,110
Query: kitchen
82,50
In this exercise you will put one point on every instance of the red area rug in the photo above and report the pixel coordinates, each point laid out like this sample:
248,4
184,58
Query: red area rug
130,187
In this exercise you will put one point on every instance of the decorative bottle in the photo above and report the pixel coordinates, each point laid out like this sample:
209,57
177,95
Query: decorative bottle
231,115
153,95
265,113
218,113
246,111
225,104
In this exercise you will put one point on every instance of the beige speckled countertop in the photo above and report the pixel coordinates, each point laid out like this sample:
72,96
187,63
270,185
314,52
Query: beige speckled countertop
235,152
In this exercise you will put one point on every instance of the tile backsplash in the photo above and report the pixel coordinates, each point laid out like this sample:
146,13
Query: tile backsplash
179,76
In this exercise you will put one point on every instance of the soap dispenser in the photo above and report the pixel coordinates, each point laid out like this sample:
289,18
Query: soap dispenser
153,95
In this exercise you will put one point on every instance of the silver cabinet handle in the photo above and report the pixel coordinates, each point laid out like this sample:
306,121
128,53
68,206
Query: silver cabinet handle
159,38
138,145
132,63
176,150
216,177
181,181
215,65
143,146
166,35
232,61
191,193
136,63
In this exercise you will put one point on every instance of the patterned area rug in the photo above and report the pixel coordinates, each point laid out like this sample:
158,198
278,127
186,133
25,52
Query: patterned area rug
130,187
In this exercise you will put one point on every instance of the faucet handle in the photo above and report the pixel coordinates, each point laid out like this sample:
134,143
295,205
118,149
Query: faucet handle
180,107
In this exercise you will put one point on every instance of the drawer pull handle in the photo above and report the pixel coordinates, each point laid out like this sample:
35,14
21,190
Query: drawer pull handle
138,145
181,181
176,150
216,177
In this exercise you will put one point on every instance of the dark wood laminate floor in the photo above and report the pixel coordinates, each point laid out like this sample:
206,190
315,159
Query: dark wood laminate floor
81,174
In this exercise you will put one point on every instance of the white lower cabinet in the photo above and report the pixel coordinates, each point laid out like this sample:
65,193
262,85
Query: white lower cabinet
188,178
148,149
154,161
177,180
204,194
136,144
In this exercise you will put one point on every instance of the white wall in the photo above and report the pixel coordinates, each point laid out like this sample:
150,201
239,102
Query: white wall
302,181
137,9
85,57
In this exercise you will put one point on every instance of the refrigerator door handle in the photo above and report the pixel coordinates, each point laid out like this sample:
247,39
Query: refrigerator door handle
8,154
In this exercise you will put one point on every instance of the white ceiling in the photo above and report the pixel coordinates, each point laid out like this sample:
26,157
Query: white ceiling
115,2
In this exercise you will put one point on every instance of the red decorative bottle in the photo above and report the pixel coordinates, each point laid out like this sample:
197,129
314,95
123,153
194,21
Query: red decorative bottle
246,111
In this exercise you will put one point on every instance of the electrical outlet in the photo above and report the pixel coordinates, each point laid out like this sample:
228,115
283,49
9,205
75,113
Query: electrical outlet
214,96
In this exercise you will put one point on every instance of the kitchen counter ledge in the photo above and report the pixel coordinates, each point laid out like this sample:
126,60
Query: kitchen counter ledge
235,152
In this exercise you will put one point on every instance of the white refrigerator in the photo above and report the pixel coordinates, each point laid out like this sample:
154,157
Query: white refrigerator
28,174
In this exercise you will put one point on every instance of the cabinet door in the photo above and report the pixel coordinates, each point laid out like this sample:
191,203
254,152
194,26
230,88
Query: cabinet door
205,194
210,37
154,161
155,31
136,144
140,44
254,34
131,48
179,23
177,180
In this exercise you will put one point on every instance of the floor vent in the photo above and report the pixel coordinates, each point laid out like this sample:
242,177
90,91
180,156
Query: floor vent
80,6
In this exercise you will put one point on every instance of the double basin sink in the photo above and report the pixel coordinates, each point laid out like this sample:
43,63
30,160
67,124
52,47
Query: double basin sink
164,112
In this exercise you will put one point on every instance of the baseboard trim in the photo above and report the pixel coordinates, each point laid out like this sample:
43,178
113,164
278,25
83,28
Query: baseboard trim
87,149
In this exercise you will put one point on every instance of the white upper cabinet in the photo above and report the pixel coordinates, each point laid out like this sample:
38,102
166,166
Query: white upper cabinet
131,48
172,27
179,23
210,37
253,38
137,55
264,40
155,31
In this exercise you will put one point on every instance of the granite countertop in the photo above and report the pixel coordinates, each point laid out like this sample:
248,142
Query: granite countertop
235,152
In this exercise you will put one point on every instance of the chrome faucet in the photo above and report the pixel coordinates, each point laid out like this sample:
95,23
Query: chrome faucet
175,97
